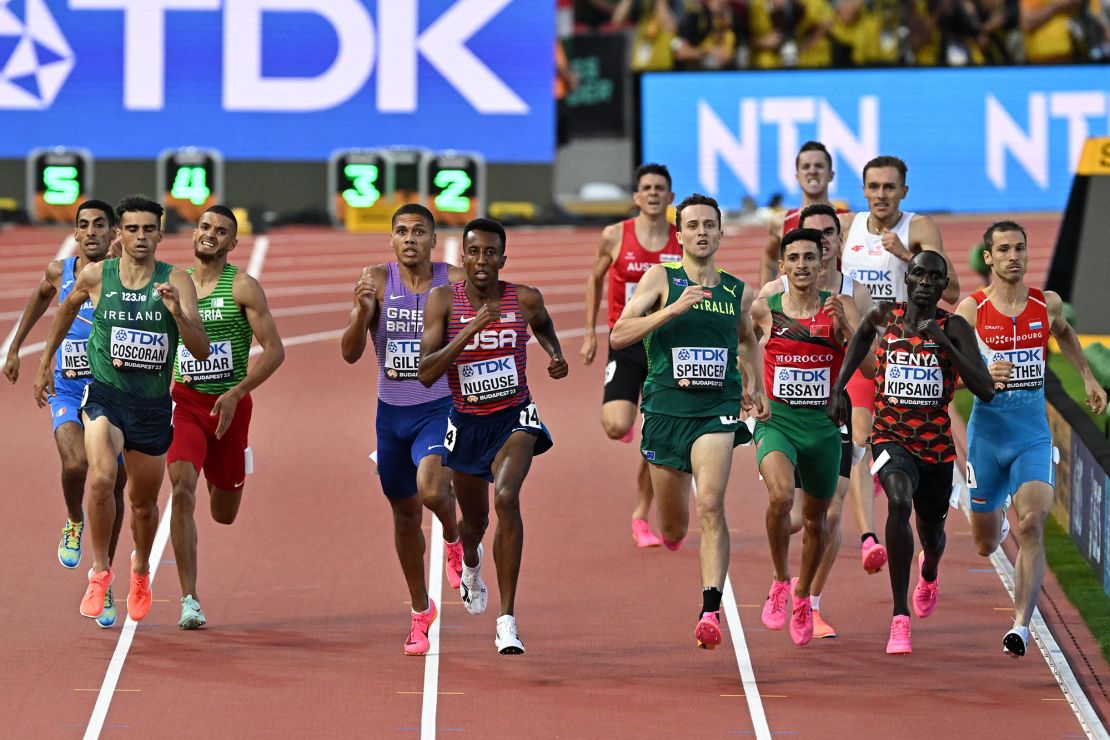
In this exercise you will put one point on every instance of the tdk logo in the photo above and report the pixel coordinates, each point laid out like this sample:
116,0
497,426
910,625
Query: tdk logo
872,276
394,42
35,57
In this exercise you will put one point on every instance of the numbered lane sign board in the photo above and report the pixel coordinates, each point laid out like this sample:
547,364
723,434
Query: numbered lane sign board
405,182
190,180
456,186
356,183
58,180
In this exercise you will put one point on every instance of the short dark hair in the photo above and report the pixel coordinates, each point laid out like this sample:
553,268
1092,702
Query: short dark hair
487,225
813,146
695,199
414,209
650,168
224,211
96,205
818,209
988,235
802,235
885,160
139,204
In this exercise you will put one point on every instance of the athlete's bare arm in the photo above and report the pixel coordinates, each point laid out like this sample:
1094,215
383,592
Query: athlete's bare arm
768,261
252,299
368,294
37,304
606,253
958,340
642,314
543,328
754,399
761,311
179,295
85,287
1073,350
840,407
436,358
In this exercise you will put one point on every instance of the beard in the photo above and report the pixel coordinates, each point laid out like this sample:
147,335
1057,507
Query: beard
203,257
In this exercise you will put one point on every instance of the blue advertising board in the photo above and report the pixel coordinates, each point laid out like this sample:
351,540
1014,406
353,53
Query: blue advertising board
989,139
278,79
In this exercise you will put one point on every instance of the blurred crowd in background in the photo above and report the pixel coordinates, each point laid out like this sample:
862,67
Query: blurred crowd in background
772,34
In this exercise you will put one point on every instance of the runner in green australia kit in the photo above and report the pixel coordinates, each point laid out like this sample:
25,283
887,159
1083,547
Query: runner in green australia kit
143,307
212,401
695,323
806,330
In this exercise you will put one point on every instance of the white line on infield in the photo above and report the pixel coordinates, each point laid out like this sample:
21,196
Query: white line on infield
431,660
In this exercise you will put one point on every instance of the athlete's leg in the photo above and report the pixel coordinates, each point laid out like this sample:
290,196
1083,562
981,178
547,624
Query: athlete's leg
617,418
472,493
930,530
672,502
183,528
433,481
510,467
862,487
145,473
103,444
70,439
778,474
408,539
899,537
832,545
1032,503
117,523
224,503
711,460
814,540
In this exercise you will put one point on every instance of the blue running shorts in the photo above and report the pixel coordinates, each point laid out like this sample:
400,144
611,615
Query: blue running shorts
406,435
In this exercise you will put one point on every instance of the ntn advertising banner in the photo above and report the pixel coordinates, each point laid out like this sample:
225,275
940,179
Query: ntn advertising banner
278,79
985,139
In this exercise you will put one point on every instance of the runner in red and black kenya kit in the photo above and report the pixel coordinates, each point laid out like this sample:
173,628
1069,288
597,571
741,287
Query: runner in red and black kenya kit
921,350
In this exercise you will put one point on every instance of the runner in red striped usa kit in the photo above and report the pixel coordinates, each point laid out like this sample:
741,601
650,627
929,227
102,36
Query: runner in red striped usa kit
476,332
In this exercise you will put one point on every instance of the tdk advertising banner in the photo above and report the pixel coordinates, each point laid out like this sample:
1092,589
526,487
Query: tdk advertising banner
277,79
989,139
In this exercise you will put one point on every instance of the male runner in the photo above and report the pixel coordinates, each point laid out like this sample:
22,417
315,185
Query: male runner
212,401
626,252
921,350
876,252
806,330
1009,442
411,420
93,234
813,169
695,322
142,307
476,332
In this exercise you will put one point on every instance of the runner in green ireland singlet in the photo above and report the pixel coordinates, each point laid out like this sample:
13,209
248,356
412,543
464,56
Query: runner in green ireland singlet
134,337
696,326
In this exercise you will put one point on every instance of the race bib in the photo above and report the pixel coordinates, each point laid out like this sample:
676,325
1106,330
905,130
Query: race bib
220,364
879,283
699,367
486,381
913,385
799,386
530,417
75,359
134,349
402,359
1028,372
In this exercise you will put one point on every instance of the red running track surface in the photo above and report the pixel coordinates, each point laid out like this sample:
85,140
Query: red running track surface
307,607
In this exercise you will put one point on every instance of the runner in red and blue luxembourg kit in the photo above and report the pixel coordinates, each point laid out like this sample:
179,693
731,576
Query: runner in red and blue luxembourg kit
476,331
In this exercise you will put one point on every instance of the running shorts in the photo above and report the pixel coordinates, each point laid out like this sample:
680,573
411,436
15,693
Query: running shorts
668,440
224,461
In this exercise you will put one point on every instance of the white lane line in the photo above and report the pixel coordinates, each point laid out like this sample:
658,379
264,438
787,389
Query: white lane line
431,660
127,634
258,256
740,648
66,249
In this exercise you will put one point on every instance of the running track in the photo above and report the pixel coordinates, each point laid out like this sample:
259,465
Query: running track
306,603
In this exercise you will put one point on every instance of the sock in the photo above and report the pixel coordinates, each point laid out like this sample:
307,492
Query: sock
871,535
815,602
457,538
710,600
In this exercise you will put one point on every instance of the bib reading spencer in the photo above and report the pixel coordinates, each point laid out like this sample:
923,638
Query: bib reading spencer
230,336
134,337
692,359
